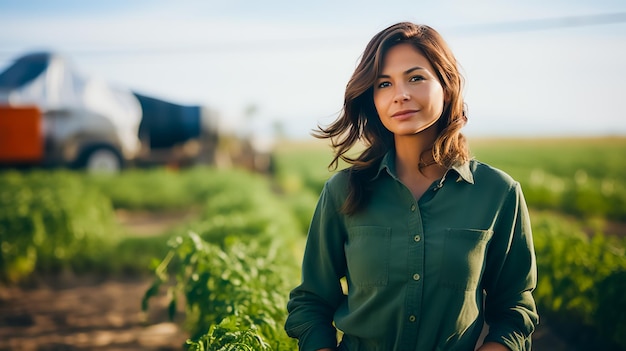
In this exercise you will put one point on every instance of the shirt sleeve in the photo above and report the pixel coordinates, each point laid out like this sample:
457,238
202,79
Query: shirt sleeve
313,303
511,277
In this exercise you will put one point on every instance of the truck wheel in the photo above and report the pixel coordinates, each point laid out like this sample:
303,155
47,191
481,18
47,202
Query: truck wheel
103,160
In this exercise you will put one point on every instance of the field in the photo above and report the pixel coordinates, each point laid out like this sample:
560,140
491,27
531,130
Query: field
218,250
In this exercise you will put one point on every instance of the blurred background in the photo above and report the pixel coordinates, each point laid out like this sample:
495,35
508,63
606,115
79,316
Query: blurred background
195,118
532,67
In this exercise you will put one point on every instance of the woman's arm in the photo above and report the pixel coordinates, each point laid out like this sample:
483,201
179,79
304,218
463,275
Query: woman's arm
313,303
511,276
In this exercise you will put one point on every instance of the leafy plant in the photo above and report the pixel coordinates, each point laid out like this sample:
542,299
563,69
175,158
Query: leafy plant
579,277
242,280
50,221
229,335
234,265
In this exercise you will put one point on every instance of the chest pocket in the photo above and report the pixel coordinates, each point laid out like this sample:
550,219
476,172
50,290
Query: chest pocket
464,258
367,255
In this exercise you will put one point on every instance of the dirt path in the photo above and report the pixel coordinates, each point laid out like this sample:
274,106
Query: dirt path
85,314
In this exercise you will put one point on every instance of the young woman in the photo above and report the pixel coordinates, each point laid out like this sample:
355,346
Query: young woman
432,244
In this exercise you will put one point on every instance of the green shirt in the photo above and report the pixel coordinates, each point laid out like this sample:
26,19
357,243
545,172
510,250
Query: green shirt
421,275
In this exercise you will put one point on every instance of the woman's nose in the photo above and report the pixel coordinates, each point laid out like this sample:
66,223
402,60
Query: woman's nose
401,95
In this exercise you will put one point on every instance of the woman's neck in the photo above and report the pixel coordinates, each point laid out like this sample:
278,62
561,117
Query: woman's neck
414,157
413,150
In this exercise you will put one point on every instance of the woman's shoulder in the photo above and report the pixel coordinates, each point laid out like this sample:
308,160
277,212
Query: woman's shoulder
336,188
485,173
338,181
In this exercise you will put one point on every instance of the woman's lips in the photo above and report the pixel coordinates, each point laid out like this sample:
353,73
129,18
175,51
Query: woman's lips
404,114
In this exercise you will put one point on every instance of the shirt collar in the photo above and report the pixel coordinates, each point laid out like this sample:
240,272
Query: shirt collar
389,163
462,169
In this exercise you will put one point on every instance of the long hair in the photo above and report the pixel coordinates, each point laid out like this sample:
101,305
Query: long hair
359,120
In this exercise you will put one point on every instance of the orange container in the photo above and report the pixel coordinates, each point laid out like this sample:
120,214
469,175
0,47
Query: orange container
21,135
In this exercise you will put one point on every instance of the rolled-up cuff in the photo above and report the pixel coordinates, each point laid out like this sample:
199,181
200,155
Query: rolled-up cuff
318,337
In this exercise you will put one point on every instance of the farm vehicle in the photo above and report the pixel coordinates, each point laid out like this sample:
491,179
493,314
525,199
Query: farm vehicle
50,116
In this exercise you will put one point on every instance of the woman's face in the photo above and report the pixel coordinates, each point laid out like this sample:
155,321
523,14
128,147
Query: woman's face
407,94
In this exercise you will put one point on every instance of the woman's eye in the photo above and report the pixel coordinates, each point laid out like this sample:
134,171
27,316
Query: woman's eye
416,78
383,85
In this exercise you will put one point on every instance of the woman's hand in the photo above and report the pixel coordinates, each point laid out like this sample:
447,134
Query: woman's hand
493,346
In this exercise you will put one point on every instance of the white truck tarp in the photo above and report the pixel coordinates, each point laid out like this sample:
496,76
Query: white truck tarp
49,81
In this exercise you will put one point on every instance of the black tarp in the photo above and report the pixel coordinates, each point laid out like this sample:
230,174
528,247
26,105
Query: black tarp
165,124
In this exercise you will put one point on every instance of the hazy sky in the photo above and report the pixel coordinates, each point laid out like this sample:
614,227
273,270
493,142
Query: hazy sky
532,67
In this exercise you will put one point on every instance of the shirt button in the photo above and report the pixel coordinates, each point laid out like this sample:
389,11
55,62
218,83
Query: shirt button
411,318
416,276
417,238
413,208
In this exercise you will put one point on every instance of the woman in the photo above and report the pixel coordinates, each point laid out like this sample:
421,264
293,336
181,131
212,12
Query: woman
432,243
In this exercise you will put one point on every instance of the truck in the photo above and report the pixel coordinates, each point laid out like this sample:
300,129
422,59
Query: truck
51,116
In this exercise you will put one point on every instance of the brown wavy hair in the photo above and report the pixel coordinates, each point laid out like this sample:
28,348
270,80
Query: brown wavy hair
359,120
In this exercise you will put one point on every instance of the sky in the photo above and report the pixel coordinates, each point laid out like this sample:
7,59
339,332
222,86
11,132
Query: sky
532,67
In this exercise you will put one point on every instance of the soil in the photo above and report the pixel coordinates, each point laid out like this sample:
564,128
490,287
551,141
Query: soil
85,314
90,313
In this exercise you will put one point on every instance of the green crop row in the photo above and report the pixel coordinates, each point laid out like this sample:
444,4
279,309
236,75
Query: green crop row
233,269
578,195
583,177
242,284
160,188
563,157
581,282
51,221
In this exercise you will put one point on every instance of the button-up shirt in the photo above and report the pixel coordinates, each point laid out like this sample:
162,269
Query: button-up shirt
421,274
